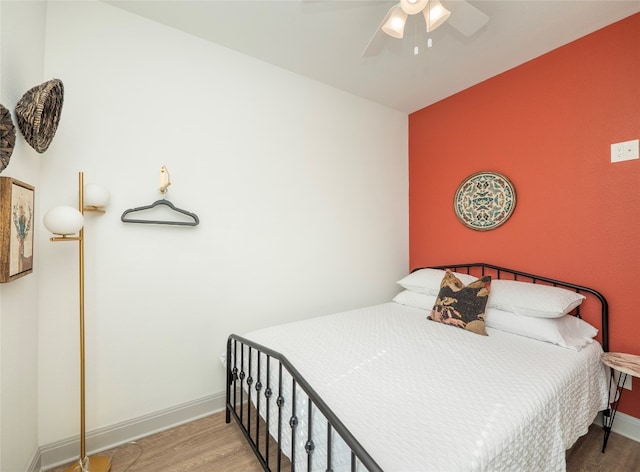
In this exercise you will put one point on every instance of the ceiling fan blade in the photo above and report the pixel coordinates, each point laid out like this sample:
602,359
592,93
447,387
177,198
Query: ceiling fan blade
374,46
465,17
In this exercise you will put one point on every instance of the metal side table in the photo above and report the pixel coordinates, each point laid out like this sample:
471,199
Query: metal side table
625,364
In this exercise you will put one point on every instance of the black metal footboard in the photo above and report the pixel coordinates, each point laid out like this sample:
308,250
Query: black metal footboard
273,405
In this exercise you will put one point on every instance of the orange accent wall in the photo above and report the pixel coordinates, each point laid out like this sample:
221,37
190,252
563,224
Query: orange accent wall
547,125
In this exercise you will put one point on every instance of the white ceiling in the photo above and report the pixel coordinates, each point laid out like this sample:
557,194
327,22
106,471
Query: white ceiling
323,40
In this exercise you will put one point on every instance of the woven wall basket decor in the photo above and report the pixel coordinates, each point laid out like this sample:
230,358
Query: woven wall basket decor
7,137
38,113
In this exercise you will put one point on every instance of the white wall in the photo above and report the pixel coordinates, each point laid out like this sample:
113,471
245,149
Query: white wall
301,191
21,63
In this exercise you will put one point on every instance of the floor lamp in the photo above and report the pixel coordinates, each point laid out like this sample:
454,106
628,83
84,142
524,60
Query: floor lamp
67,224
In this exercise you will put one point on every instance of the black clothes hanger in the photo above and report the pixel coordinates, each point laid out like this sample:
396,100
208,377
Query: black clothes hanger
165,181
126,219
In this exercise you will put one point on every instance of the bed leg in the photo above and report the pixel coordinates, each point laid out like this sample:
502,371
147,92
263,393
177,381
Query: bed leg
228,401
229,382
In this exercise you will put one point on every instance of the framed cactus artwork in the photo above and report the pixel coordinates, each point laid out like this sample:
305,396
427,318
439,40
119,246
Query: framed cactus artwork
17,201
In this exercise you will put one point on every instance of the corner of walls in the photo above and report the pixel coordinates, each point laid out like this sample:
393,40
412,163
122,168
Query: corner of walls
21,67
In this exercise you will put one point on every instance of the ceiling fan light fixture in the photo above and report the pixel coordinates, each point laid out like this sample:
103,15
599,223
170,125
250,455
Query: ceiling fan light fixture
435,15
394,26
411,7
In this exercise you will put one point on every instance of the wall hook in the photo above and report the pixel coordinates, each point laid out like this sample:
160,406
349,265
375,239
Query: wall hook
165,180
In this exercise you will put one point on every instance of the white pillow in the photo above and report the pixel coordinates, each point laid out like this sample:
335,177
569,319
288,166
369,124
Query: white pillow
525,298
567,331
428,280
415,299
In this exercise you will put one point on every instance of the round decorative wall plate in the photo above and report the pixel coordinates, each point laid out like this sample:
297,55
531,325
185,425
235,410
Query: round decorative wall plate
484,200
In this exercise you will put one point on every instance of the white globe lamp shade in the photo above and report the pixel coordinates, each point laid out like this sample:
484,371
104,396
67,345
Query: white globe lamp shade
63,220
96,196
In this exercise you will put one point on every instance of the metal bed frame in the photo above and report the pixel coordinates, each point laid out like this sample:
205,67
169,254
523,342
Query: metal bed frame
256,429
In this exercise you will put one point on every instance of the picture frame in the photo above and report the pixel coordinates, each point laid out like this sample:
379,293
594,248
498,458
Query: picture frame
17,212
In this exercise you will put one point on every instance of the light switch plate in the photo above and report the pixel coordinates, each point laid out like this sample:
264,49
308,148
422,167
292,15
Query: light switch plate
625,151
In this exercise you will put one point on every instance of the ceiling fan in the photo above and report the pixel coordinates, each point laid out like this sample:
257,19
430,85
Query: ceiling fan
460,14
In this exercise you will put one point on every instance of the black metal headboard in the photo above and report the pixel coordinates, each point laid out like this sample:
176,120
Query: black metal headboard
481,268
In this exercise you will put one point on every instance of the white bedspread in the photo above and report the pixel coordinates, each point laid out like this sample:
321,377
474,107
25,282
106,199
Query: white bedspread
423,396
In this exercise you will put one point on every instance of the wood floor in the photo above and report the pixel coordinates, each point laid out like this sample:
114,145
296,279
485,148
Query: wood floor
210,445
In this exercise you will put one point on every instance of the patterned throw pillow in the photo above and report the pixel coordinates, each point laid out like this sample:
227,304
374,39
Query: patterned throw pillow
460,305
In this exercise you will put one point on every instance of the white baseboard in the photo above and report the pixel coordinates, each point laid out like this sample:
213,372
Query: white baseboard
625,425
65,451
35,465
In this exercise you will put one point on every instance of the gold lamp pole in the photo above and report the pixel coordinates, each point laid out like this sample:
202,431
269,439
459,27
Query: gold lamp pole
66,222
